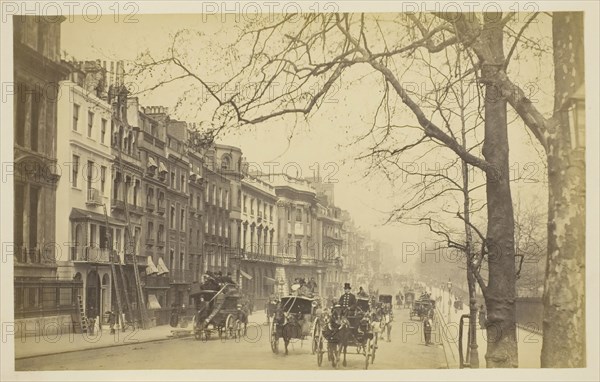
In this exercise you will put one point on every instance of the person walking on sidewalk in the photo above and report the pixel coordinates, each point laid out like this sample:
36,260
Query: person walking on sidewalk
427,327
482,317
111,322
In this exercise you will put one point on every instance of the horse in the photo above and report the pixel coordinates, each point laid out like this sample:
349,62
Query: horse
337,332
385,322
291,326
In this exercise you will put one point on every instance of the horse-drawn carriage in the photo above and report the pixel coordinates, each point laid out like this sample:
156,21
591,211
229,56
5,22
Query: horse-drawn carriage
271,308
385,315
409,299
295,317
422,308
219,311
345,327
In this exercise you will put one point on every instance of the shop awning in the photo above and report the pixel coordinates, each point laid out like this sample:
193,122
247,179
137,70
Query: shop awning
270,281
151,163
162,267
153,302
246,275
162,167
151,268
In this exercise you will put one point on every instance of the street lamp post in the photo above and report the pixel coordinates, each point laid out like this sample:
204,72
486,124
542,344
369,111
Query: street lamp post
449,298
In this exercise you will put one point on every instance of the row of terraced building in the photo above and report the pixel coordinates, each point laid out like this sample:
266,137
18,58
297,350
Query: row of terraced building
100,179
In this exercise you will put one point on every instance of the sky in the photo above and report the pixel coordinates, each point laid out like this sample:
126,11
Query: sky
323,142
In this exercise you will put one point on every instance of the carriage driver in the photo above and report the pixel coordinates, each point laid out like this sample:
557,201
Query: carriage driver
348,300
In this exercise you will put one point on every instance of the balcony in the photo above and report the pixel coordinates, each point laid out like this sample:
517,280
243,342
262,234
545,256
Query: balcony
287,259
150,205
160,242
161,208
150,241
116,204
92,255
180,276
94,197
142,261
157,282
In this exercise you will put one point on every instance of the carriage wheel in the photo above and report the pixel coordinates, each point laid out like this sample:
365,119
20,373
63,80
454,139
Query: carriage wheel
320,351
368,350
316,335
229,328
274,338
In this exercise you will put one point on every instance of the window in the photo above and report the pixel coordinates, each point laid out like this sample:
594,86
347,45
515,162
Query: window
90,174
90,123
245,204
226,199
102,179
102,130
270,213
182,183
289,214
75,116
150,232
136,190
172,221
172,179
225,162
150,196
36,104
75,170
160,234
252,207
298,214
182,220
20,114
181,260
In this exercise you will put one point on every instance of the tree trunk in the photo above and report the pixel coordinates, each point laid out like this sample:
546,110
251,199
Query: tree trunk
564,292
500,296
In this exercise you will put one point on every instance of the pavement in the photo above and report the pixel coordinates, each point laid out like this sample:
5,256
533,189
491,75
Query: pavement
529,343
40,345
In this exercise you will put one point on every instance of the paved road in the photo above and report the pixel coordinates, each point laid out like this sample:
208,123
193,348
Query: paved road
405,351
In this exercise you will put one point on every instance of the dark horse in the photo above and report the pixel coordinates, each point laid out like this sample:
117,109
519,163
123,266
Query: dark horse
288,326
343,328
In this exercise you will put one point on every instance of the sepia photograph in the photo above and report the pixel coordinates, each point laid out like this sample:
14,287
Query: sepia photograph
299,190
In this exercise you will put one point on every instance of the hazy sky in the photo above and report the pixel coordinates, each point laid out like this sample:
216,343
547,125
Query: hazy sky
323,141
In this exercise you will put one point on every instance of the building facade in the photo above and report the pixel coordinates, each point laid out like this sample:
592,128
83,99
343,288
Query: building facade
83,226
258,244
40,298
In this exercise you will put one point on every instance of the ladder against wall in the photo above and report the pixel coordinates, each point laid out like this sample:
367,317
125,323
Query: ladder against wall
81,321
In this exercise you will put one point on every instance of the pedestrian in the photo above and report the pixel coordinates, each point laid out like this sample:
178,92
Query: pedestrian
482,317
111,321
427,327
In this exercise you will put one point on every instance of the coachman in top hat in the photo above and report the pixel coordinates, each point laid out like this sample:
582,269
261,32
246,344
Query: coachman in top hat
347,300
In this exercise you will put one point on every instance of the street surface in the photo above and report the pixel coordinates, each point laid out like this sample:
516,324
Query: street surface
405,351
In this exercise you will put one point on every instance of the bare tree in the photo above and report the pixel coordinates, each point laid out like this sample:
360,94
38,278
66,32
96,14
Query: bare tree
311,53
